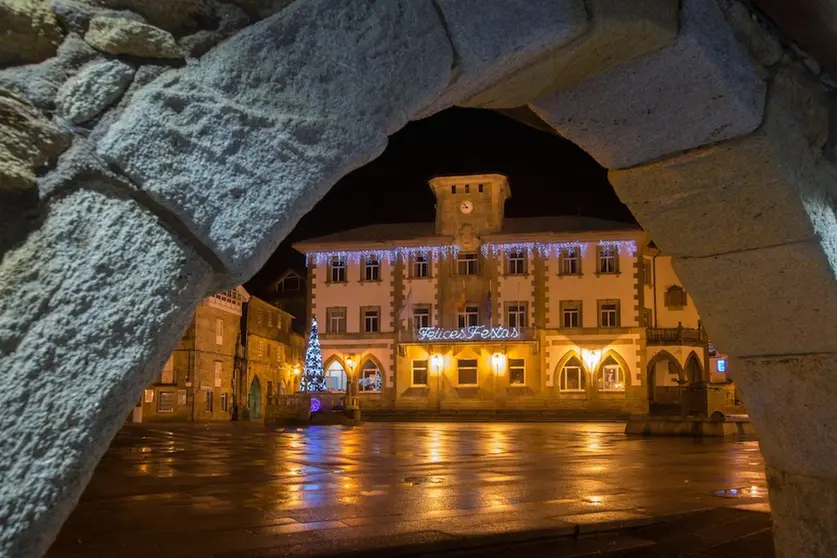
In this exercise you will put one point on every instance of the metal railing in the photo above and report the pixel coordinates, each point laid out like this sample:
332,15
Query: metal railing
675,336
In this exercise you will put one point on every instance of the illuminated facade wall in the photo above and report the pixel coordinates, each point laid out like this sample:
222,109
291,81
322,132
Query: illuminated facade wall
588,306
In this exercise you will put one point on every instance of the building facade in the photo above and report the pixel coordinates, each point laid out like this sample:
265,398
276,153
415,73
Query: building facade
478,312
235,350
289,293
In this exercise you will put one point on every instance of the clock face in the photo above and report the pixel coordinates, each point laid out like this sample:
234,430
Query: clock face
466,207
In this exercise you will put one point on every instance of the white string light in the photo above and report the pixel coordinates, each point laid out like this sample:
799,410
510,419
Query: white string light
544,249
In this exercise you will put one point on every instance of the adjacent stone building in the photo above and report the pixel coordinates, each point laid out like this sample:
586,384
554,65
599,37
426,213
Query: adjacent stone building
478,312
236,352
290,293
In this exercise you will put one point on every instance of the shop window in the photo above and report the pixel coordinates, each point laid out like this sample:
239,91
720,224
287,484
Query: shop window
467,372
572,377
517,371
370,377
165,401
419,372
611,377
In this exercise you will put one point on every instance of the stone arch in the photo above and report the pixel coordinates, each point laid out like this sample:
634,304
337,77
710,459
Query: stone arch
612,355
571,356
693,369
655,394
693,149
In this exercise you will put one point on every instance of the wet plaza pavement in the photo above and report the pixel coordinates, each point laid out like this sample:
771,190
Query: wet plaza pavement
242,490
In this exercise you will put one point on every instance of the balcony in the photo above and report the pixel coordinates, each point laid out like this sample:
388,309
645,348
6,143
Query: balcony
675,336
471,334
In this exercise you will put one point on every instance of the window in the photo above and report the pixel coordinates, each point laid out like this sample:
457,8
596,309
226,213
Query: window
481,187
466,263
165,401
260,349
470,316
516,314
336,320
335,377
516,262
648,317
369,378
371,269
421,266
517,371
225,407
646,272
290,283
608,313
208,401
572,376
219,331
571,313
371,320
167,375
608,259
453,189
611,377
675,297
269,388
419,372
467,372
270,319
421,317
467,188
278,321
259,316
337,270
570,263
217,370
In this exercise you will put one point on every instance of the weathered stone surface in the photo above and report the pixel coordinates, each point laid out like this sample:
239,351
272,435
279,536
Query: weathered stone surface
90,308
93,89
620,30
40,82
701,89
28,140
29,31
492,38
231,19
759,190
261,9
800,526
762,44
179,17
123,36
773,300
75,15
246,140
791,398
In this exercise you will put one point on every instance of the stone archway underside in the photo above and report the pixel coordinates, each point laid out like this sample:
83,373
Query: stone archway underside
186,187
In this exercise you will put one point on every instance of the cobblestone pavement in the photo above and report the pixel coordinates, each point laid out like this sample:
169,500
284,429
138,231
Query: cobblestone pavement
242,490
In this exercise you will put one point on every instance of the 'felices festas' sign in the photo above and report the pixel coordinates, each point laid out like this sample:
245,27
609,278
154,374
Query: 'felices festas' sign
471,333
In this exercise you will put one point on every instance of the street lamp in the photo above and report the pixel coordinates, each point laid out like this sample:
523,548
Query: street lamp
436,362
498,360
591,358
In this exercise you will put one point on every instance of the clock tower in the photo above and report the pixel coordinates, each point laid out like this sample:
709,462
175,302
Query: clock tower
468,206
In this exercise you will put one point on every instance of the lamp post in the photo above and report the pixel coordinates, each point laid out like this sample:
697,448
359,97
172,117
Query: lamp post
350,363
498,361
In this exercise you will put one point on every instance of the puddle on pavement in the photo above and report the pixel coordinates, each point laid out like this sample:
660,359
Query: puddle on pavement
738,492
417,481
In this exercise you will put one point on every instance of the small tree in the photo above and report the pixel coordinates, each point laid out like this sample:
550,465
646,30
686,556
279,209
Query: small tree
313,375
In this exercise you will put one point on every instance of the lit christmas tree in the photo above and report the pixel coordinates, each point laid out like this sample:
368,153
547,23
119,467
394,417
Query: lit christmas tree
313,375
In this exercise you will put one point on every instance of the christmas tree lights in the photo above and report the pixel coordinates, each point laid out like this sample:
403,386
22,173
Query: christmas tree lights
313,375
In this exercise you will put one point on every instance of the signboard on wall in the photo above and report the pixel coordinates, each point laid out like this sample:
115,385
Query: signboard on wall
471,333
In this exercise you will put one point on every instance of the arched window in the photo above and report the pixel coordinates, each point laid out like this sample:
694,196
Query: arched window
572,376
335,377
611,376
370,377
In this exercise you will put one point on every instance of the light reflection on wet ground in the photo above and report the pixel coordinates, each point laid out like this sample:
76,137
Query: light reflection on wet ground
191,490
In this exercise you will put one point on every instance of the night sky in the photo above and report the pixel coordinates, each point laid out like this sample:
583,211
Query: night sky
547,175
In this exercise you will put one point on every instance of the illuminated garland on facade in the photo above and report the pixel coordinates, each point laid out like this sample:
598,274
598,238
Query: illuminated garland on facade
404,253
